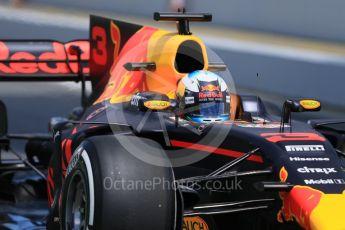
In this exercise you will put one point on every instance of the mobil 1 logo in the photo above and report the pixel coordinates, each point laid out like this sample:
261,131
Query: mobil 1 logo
324,181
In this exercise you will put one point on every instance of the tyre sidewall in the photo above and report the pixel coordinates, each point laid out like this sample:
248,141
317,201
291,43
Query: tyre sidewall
79,166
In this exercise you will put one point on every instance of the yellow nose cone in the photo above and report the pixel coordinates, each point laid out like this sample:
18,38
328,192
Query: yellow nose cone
329,214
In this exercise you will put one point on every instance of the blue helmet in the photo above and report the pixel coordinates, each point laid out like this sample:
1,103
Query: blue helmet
203,97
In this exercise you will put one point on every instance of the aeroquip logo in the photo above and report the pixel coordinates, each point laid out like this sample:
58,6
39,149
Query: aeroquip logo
310,104
194,223
156,104
210,88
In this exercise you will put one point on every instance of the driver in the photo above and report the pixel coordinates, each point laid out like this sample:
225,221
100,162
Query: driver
203,97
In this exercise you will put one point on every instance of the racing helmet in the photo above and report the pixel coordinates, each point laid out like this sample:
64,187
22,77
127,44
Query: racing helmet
203,97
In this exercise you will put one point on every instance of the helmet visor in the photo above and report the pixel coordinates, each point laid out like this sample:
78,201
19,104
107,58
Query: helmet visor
211,109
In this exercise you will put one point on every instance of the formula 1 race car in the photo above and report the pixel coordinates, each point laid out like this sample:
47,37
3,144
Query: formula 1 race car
165,142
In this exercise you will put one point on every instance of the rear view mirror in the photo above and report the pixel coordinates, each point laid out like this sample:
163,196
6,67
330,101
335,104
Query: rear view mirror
151,101
3,119
303,105
309,105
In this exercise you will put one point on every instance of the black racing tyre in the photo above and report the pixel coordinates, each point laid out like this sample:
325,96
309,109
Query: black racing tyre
90,199
53,191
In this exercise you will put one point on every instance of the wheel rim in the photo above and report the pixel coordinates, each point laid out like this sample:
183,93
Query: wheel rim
76,204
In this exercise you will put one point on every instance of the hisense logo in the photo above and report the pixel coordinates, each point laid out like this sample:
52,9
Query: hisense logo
309,158
305,148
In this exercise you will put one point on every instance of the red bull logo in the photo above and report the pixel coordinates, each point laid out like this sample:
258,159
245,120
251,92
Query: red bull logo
298,205
311,208
57,52
210,88
210,95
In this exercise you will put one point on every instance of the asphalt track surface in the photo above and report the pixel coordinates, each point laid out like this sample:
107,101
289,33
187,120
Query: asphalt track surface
31,105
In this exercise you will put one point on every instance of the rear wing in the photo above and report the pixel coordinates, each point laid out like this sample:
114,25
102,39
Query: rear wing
44,60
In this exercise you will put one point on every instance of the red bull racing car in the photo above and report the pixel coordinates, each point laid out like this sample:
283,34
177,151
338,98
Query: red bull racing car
165,141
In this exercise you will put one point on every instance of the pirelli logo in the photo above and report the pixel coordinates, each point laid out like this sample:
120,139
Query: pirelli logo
305,148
